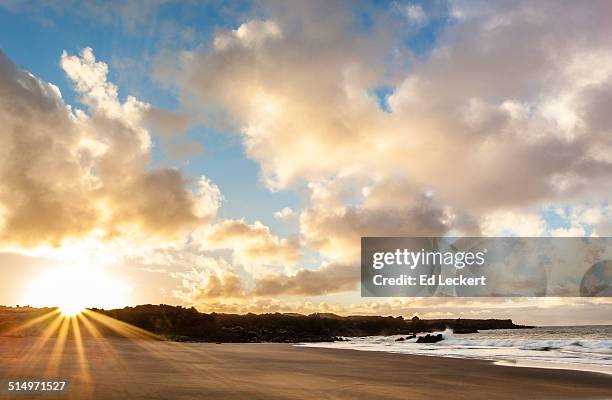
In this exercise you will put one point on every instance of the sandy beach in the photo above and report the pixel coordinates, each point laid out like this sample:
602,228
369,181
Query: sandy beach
113,368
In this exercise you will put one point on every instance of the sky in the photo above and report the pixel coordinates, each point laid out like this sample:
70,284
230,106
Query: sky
230,155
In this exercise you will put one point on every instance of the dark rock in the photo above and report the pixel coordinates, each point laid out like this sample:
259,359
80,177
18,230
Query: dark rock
463,331
400,339
430,338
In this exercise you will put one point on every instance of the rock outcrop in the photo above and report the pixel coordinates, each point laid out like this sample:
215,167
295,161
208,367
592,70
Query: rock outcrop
430,338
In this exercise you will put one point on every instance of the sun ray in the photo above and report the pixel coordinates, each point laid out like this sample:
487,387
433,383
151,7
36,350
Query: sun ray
78,342
142,338
108,348
30,358
89,327
30,324
58,348
122,328
84,374
100,339
149,342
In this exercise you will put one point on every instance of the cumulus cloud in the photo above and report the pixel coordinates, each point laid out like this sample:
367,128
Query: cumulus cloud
513,223
329,278
585,219
198,286
252,244
274,79
68,172
285,215
217,280
385,209
250,34
477,142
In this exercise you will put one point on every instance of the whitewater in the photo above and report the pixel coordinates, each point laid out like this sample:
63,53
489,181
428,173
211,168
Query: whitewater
587,348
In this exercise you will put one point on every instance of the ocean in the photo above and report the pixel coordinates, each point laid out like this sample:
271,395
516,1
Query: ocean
587,348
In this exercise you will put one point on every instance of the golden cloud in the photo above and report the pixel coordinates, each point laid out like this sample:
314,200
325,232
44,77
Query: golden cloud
67,173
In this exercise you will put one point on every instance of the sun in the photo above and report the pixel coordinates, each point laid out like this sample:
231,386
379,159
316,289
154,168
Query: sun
71,309
73,289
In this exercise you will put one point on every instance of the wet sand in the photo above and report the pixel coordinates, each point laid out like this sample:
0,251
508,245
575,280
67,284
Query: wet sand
114,368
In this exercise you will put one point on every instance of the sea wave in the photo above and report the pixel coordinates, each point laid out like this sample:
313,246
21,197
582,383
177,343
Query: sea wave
579,346
579,351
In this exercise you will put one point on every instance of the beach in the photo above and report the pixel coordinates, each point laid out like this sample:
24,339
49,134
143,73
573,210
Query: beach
117,368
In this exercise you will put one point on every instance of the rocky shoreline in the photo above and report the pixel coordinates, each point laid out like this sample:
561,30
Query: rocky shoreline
189,325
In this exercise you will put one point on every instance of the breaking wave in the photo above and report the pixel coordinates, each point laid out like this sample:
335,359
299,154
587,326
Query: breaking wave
580,348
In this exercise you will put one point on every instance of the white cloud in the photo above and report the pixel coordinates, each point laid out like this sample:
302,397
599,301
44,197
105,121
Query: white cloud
477,142
415,13
513,223
200,285
327,279
249,34
285,215
252,245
